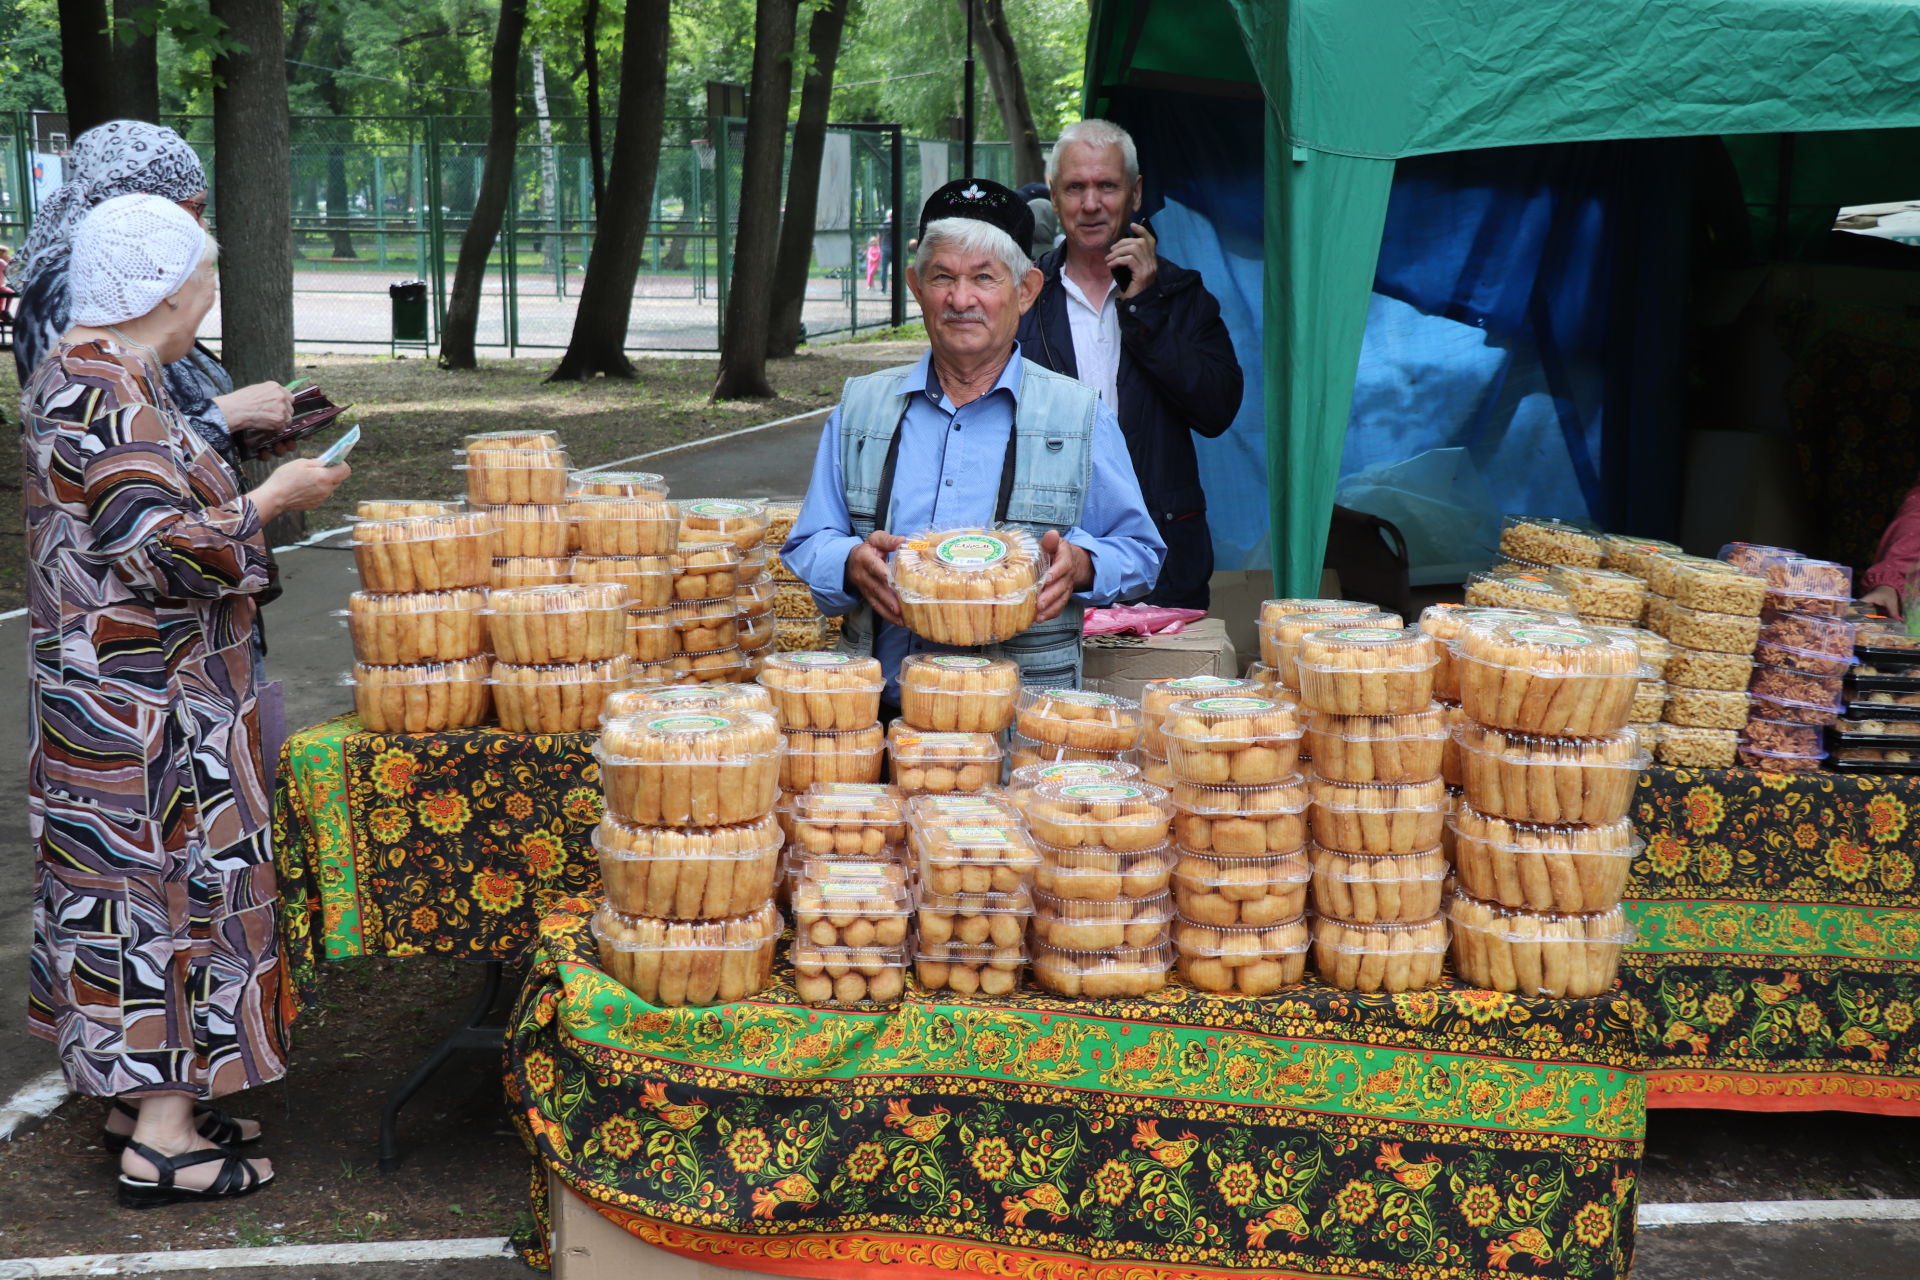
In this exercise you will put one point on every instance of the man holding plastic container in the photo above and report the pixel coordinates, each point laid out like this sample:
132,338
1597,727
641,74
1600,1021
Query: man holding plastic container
973,435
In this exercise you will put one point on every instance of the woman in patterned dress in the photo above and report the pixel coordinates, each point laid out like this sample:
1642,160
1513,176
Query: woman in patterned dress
154,967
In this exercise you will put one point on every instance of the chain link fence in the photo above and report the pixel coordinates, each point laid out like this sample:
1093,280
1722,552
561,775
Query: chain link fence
378,199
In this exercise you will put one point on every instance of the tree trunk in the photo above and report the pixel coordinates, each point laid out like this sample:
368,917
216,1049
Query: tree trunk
599,340
549,168
997,50
590,40
86,64
803,181
676,259
496,185
339,203
136,65
251,164
743,338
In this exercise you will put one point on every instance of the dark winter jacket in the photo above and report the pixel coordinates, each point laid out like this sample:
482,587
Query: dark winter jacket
1178,375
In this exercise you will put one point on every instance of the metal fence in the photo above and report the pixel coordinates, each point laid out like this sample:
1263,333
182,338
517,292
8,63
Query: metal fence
383,198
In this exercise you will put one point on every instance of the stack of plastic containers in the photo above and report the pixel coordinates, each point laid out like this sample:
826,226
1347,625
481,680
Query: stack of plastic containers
973,895
1709,611
851,902
1379,806
1281,624
519,478
418,623
719,548
828,705
1240,880
560,651
1880,732
1542,842
689,851
1051,725
1801,661
796,620
953,707
622,529
741,525
1156,696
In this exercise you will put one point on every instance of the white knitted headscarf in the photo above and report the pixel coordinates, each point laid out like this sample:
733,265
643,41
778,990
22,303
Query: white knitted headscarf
118,158
130,254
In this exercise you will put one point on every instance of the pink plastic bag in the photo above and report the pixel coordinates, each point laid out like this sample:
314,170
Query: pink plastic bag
1140,620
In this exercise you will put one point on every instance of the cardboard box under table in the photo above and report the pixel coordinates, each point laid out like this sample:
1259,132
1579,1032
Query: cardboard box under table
1122,664
1447,1133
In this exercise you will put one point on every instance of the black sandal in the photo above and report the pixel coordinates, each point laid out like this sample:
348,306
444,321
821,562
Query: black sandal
215,1126
236,1178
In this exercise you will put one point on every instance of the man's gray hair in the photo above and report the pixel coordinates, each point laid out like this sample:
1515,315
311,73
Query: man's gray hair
1095,133
971,236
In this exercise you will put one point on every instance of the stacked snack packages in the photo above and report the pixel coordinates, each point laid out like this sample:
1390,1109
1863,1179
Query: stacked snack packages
1805,650
796,619
520,480
418,623
1541,841
1379,805
721,550
621,529
1880,731
689,850
1709,613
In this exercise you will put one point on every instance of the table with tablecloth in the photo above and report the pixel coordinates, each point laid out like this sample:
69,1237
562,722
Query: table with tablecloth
1778,966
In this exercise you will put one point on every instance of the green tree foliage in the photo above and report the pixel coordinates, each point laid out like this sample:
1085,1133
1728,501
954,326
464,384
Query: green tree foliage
29,56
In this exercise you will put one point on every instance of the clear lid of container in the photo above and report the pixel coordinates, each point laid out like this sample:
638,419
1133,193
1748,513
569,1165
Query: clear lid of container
1248,721
1032,751
367,675
1781,706
1287,629
526,513
1210,871
1608,839
866,741
1152,908
1629,548
1754,556
1507,588
510,459
630,842
618,484
1413,726
827,804
1805,576
1621,750
557,597
371,604
1513,924
704,557
620,568
1078,706
1027,777
401,508
1388,650
519,438
1103,803
947,564
1576,531
739,520
913,746
973,953
644,933
1581,576
694,613
1553,650
715,735
869,890
1423,866
1273,800
1379,797
1114,962
598,507
1415,937
690,697
465,524
1016,902
970,808
1274,610
754,598
1193,938
1002,844
531,571
1157,695
601,671
639,619
822,671
1444,621
1264,675
959,672
1674,575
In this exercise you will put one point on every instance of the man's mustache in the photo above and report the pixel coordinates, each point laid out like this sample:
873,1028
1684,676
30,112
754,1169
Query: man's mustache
961,317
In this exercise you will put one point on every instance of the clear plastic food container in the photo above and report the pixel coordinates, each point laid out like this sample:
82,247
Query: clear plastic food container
1370,889
1102,975
690,768
1379,957
1552,780
530,571
974,919
1783,737
1158,695
688,874
851,904
1541,867
501,477
705,570
1649,702
691,697
756,638
1396,748
824,690
414,627
1280,638
1080,719
1706,669
848,820
1241,821
1712,586
969,587
648,579
962,809
738,521
1550,540
427,698
1268,678
1023,751
1367,671
754,600
1231,892
1075,924
1805,576
1630,554
559,698
1444,623
1696,748
399,508
577,622
674,963
1114,815
1103,875
1152,769
1509,589
1559,680
1752,757
958,692
942,762
618,484
1655,649
704,625
1708,708
521,438
1253,960
1753,556
1561,956
1271,611
1232,740
969,858
1812,709
529,530
424,553
969,969
848,975
1811,661
831,755
800,635
1020,786
1798,688
1604,593
651,635
1809,632
1721,632
1355,817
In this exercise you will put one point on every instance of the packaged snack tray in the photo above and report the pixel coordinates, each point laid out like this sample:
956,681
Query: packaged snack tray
973,919
505,475
574,622
687,873
529,530
690,769
1092,874
1562,956
824,690
848,820
402,629
1386,748
1561,680
1076,924
968,968
942,762
618,484
426,698
648,579
811,756
558,698
1379,957
1240,821
1232,740
1508,589
1079,719
1115,815
424,553
529,571
1548,540
967,587
1249,960
1109,974
1541,867
849,975
851,904
1551,780
1369,889
1354,817
1256,891
1366,670
957,692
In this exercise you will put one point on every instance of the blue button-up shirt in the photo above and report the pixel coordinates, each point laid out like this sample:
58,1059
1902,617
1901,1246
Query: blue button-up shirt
948,477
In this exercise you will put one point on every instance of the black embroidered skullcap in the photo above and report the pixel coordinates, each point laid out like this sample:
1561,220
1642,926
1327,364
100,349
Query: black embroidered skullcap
986,201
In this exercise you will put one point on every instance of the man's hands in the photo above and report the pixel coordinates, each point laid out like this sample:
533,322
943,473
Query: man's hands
867,573
1072,571
1885,599
264,406
1135,253
300,485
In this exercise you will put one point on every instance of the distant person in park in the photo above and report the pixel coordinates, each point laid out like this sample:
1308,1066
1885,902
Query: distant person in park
155,966
972,435
1143,332
131,157
873,260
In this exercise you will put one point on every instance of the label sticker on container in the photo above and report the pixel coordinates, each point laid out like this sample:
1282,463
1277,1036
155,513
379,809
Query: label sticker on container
1236,706
821,659
853,804
1080,697
1078,769
1102,791
1366,635
1198,682
953,743
1551,635
971,550
865,789
689,724
959,662
980,837
855,887
718,508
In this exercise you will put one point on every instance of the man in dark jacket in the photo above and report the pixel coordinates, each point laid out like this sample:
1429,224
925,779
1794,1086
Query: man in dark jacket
1143,332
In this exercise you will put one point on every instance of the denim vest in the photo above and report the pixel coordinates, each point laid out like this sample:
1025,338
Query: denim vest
1053,465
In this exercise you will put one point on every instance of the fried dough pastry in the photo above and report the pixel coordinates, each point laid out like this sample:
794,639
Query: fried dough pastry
957,692
681,873
674,963
402,629
424,553
691,768
421,699
969,587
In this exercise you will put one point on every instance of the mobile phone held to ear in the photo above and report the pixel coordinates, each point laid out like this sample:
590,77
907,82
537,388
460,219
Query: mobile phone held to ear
336,453
1123,275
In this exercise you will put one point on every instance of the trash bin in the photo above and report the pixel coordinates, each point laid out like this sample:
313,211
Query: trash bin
409,302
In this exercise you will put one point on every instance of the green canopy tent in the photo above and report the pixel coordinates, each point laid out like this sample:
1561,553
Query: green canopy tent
1350,88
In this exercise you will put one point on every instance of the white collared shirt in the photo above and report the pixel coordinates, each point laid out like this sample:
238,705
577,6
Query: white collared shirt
1096,338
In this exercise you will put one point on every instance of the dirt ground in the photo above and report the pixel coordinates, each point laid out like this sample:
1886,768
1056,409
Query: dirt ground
413,415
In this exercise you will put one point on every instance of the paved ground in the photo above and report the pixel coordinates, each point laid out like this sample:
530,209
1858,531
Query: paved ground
1781,1251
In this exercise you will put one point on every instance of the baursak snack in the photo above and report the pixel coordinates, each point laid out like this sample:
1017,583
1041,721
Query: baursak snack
674,963
942,762
1076,924
578,622
648,579
1379,957
1560,956
848,820
501,473
701,626
1232,740
1097,975
396,508
965,968
424,553
1240,821
1366,671
1252,960
1397,748
618,484
851,904
974,858
738,521
1078,719
848,975
1359,817
1227,892
968,587
958,692
427,698
1115,815
1093,874
832,755
530,571
1274,612
690,769
1281,638
1567,680
1370,889
1444,621
1156,696
529,530
412,627
1540,867
688,874
692,697
560,698
823,690
973,919
1552,780
705,570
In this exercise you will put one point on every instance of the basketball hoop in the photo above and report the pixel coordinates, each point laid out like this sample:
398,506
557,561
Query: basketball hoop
703,151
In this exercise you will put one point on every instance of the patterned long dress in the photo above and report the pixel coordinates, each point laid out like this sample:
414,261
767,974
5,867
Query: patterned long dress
155,964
